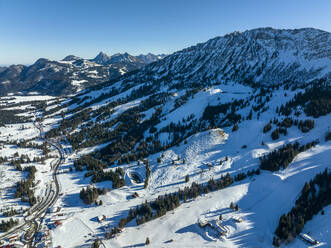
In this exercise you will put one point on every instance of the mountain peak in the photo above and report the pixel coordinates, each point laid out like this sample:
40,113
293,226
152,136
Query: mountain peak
71,58
101,58
150,57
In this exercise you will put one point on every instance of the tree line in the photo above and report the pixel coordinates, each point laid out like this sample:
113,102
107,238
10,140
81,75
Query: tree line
7,225
91,194
314,196
303,125
148,211
315,100
283,156
23,188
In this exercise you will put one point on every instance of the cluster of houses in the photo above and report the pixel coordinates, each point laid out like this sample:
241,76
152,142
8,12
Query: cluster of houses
14,241
43,239
57,219
54,224
7,246
67,151
61,171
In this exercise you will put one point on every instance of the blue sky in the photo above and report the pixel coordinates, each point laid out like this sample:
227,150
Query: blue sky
54,29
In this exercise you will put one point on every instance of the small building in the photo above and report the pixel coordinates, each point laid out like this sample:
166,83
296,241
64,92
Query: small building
20,245
238,220
203,222
63,171
51,210
53,219
101,218
135,195
305,237
221,229
47,233
51,226
42,236
39,236
42,245
57,223
13,238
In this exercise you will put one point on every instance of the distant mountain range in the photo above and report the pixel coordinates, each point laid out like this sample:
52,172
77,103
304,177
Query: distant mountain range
70,75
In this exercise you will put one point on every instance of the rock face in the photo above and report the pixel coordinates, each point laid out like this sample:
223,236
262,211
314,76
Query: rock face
260,56
101,58
68,76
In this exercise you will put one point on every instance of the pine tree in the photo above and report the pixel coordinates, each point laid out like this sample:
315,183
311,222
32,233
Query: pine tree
187,178
96,243
235,128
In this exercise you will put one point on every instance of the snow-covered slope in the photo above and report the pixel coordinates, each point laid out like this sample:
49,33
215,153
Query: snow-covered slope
262,199
197,115
263,55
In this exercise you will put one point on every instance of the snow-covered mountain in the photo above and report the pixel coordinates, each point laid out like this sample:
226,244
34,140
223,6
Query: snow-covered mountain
71,58
255,59
211,146
101,58
215,108
67,76
149,58
105,59
263,55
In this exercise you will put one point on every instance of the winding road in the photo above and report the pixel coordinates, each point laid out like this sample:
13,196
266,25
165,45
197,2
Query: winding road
41,207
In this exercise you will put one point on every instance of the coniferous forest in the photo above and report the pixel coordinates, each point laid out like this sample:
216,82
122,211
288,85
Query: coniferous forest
314,196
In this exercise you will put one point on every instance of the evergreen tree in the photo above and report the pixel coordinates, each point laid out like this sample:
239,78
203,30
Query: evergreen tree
235,128
96,243
187,178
